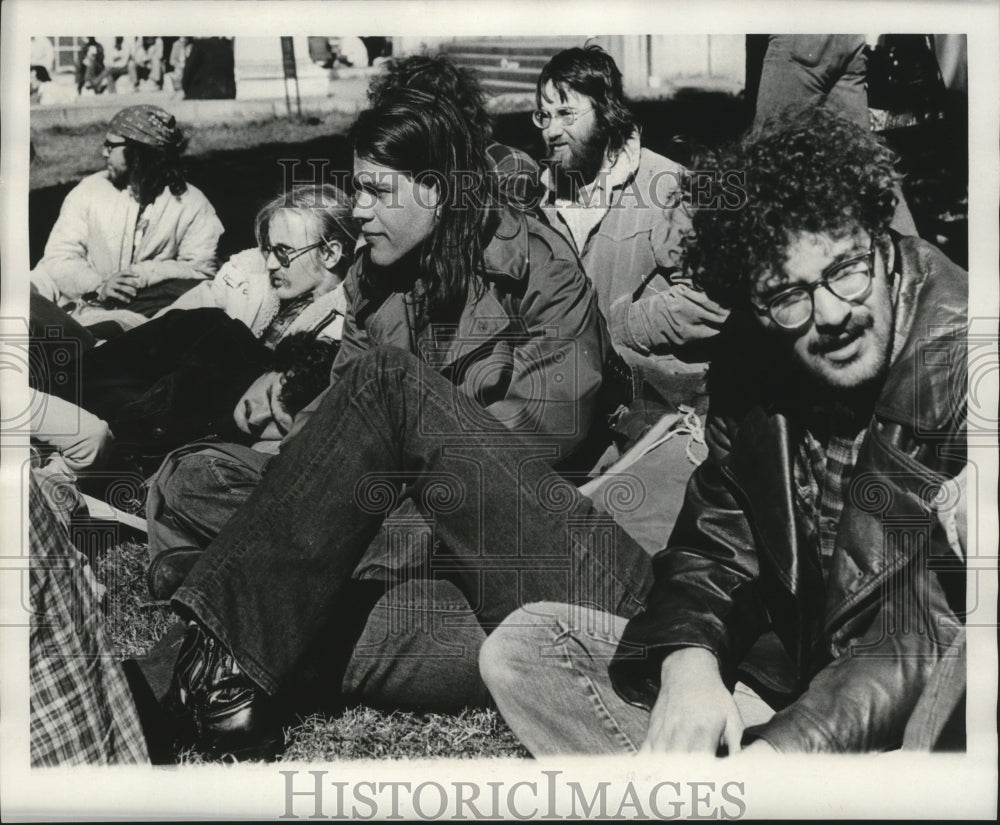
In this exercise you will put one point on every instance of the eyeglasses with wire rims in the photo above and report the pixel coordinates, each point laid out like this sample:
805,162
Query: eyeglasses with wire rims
848,280
567,117
284,256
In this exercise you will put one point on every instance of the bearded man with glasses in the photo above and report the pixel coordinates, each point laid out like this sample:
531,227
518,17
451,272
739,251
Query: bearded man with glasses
619,205
810,587
129,239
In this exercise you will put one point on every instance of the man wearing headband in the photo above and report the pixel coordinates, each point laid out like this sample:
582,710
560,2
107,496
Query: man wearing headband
131,238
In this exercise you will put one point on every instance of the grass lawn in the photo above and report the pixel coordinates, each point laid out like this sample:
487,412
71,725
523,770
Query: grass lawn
135,623
65,154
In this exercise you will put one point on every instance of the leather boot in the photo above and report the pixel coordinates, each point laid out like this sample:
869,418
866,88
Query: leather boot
217,707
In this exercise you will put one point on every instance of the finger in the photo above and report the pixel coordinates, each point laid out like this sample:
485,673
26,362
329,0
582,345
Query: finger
240,418
732,735
700,299
281,418
118,293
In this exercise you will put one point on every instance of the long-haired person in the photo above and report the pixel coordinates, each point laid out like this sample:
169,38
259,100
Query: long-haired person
470,363
130,238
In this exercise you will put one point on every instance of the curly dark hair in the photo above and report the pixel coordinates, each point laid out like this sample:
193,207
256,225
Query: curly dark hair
591,71
305,362
153,169
437,75
808,170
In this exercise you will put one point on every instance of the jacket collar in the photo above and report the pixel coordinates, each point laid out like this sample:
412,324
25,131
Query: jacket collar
931,310
507,259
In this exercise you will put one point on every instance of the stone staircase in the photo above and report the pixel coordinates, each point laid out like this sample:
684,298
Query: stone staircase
507,64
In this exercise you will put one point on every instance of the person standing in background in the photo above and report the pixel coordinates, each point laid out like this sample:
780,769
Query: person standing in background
829,70
209,70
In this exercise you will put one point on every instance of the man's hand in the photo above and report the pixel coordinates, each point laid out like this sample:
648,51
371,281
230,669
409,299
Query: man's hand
260,412
694,712
758,747
121,287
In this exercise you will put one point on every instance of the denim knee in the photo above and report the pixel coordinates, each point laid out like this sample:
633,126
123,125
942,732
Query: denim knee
518,643
195,476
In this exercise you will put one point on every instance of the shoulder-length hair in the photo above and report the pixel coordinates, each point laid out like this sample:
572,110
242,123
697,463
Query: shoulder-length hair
155,168
425,137
591,71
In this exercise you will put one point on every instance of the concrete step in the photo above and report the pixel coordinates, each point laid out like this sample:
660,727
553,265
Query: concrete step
506,75
496,87
524,61
544,47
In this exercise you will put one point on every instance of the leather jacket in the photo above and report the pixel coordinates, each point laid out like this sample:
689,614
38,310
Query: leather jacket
844,659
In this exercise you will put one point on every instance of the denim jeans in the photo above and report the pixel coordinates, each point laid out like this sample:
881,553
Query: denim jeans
511,530
418,646
547,669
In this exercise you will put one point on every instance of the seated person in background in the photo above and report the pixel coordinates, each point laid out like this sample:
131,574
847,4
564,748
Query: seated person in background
117,63
178,56
132,238
178,376
209,69
796,565
293,279
146,61
43,58
619,205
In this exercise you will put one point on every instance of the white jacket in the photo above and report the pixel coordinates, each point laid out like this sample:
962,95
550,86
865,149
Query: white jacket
243,290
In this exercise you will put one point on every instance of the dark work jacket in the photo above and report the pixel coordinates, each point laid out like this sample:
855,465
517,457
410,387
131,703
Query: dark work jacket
530,349
847,658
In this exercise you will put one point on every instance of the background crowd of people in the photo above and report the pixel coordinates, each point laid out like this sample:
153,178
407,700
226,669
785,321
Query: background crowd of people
187,67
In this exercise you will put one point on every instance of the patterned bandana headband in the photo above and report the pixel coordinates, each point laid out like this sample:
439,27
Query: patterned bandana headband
147,124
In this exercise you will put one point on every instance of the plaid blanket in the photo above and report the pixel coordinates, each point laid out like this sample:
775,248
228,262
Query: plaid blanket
81,707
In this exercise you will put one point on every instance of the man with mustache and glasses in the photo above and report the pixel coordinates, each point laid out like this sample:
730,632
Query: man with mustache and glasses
619,206
809,587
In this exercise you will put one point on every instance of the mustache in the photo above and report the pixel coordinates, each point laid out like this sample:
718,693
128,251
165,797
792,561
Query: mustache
855,328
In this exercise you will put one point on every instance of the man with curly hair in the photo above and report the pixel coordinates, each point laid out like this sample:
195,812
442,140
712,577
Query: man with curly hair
807,590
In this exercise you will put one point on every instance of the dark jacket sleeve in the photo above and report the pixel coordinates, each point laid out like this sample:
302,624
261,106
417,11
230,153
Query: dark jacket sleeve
703,594
556,365
353,342
893,635
862,700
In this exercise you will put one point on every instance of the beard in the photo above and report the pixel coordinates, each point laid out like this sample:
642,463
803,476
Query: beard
582,165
